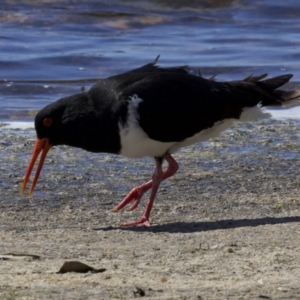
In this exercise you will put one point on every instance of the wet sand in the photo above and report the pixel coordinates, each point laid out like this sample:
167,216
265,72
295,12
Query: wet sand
225,227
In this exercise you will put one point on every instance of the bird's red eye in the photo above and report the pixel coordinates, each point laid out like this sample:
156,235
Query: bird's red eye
47,122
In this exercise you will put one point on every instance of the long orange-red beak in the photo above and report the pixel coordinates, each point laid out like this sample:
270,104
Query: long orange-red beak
41,145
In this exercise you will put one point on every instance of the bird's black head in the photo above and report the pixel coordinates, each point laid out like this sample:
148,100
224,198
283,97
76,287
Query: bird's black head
51,125
54,122
88,120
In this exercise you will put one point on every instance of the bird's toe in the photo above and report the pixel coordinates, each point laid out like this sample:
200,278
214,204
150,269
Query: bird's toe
142,222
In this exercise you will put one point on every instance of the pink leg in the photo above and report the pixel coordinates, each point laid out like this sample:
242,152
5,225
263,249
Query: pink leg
137,193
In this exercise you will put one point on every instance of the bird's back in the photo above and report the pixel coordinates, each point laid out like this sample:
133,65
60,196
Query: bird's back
176,104
171,105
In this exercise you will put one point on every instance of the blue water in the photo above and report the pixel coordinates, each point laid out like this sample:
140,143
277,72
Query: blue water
49,49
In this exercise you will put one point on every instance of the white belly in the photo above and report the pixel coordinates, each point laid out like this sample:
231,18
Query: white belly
136,143
203,135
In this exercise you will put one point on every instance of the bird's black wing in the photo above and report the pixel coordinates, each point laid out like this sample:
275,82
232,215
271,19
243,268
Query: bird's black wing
121,81
175,106
178,105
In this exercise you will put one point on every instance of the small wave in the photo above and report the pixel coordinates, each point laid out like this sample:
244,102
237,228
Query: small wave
16,125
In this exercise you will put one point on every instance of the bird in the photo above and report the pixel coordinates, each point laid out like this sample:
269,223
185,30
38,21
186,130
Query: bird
152,111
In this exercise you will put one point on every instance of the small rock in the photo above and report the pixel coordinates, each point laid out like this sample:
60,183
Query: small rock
282,289
78,267
138,292
260,281
11,255
214,247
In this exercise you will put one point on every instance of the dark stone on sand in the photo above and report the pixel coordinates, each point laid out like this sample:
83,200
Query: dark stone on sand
78,267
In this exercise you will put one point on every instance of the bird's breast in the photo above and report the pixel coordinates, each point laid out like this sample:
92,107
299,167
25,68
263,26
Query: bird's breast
136,143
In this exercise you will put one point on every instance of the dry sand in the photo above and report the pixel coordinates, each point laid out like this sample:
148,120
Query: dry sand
227,226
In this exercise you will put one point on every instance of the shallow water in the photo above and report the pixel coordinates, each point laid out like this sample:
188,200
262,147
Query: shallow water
49,49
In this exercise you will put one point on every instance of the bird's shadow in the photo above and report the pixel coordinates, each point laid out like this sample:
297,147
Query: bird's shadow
190,227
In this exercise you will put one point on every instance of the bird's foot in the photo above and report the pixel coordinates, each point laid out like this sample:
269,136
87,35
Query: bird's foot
135,195
142,222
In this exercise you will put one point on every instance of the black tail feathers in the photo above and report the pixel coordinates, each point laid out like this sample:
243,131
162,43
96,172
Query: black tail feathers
267,90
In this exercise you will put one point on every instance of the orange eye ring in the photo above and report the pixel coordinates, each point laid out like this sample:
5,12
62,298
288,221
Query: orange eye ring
47,122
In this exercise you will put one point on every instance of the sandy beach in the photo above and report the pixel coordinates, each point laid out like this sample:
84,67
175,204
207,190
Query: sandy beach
227,226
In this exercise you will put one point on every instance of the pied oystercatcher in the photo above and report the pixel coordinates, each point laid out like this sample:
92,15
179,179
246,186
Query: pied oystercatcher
152,111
